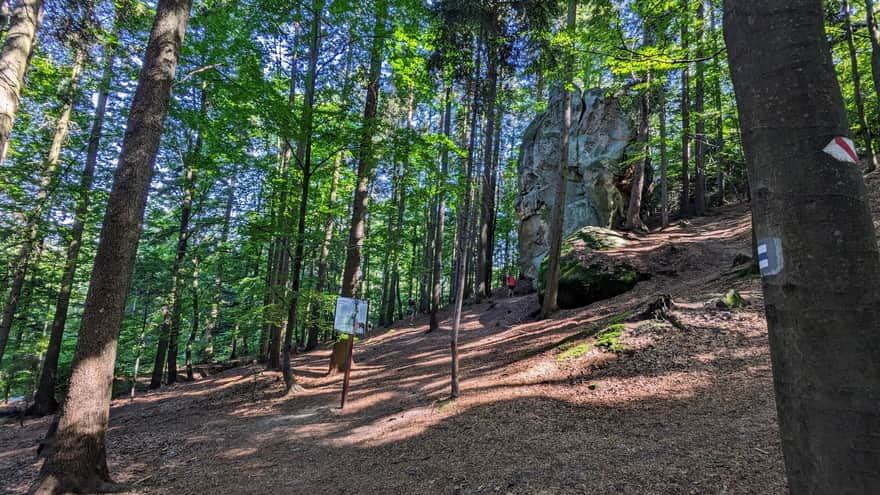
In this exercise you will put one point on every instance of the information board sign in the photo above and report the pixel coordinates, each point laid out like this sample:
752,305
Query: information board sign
346,308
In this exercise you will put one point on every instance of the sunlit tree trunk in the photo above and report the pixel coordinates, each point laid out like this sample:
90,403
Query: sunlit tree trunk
76,455
38,208
14,58
44,400
814,229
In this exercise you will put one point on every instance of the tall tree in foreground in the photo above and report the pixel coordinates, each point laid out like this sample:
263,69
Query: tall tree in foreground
365,170
820,265
557,212
76,454
14,59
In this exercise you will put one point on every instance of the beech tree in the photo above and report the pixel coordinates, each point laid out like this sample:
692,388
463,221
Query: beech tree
14,58
76,456
816,244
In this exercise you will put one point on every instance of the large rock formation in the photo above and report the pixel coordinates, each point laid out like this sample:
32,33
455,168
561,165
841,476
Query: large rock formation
599,136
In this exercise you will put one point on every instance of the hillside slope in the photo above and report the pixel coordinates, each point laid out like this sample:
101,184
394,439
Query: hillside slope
544,410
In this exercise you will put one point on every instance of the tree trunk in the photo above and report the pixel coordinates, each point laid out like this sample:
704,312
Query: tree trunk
315,318
664,160
222,253
77,459
719,110
685,205
44,400
557,215
487,205
366,160
821,273
14,59
304,157
874,33
441,215
700,110
35,215
194,323
634,212
857,89
464,235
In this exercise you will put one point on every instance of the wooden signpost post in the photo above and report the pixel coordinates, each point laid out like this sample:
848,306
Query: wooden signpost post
356,310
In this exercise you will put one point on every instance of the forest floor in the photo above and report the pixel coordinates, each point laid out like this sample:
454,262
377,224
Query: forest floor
681,411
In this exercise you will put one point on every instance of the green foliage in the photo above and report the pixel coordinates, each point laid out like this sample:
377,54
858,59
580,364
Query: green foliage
571,352
609,338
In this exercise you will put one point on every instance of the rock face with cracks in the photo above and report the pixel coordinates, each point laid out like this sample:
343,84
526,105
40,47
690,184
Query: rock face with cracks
599,135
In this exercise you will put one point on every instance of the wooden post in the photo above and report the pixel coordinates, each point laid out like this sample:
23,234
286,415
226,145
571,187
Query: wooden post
349,355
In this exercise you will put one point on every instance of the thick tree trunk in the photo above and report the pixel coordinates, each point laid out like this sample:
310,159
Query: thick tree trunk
820,265
77,459
14,58
44,400
35,215
441,215
857,89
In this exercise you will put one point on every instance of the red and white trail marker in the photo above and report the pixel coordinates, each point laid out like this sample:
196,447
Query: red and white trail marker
843,150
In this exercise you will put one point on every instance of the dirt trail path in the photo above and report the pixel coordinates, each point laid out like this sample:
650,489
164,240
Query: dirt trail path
680,412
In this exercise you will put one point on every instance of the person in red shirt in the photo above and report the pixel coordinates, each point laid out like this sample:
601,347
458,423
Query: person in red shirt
511,285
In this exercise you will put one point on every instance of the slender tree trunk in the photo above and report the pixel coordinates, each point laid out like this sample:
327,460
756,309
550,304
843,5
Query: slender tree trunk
441,215
464,237
14,59
487,205
634,212
366,160
719,110
700,110
35,215
222,253
194,323
76,456
817,246
315,323
874,33
685,205
557,213
664,160
44,400
857,89
304,157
